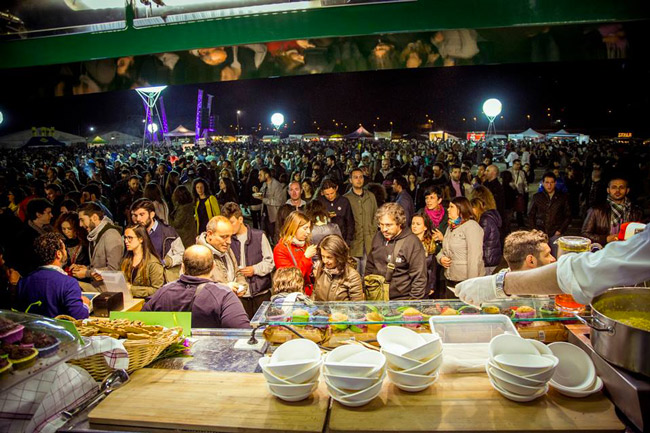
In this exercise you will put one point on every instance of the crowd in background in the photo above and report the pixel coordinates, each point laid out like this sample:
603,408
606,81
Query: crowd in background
422,216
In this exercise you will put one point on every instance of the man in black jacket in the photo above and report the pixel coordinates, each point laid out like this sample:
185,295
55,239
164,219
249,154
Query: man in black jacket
409,277
339,209
550,211
604,220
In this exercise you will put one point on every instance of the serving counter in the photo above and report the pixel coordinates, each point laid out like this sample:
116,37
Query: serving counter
223,394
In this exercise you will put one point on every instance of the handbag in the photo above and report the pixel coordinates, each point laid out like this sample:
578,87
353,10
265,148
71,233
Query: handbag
377,287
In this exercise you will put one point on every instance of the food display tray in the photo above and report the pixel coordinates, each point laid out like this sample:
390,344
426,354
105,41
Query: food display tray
68,347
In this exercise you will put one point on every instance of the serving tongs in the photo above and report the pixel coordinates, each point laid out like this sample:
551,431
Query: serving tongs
113,381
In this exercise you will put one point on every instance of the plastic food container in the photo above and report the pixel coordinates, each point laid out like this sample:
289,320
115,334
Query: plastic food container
471,328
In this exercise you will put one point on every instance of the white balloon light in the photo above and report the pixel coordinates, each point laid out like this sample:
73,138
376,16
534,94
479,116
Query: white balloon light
277,120
2,117
152,128
492,107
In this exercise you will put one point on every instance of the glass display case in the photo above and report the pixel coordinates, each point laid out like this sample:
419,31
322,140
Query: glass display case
328,323
31,344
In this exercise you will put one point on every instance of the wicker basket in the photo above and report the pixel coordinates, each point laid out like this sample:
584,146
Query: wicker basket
141,353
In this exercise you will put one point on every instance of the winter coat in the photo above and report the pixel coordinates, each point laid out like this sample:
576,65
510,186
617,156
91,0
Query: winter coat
410,275
346,287
183,221
597,223
405,200
143,289
211,207
105,246
492,249
282,259
548,214
364,208
220,272
464,246
260,282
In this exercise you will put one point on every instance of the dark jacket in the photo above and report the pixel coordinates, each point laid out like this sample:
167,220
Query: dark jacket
410,275
216,305
405,200
253,251
597,224
548,214
491,222
496,189
343,217
183,221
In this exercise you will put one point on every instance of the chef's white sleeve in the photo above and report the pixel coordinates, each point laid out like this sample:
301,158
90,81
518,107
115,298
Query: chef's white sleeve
622,263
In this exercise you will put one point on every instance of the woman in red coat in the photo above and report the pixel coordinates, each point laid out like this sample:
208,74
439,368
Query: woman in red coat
293,249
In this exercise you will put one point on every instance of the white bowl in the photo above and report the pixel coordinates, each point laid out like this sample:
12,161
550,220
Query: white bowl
506,344
431,348
575,369
597,386
292,390
399,340
363,394
418,388
359,403
401,378
426,368
270,377
297,397
350,382
309,375
525,365
515,388
506,375
399,361
519,398
300,349
286,369
367,363
343,352
541,347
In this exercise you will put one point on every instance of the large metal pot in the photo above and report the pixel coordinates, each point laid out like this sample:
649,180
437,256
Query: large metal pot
620,344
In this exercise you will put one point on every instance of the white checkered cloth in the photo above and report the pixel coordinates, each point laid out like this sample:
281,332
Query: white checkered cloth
35,405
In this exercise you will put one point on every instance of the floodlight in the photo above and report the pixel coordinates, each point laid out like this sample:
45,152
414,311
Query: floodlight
277,119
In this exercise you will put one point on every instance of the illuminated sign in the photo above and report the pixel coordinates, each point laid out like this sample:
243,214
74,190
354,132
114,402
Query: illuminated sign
476,136
624,135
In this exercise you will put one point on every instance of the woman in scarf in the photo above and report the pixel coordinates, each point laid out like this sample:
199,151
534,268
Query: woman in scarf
294,249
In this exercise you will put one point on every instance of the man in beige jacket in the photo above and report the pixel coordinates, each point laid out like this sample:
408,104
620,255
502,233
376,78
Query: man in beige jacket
217,237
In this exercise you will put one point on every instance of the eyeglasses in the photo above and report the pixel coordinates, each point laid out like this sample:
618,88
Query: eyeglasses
129,238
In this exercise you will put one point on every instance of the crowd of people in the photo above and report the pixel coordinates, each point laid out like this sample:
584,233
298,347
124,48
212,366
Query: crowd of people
219,230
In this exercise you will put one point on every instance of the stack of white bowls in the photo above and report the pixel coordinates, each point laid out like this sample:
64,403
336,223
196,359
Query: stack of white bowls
354,375
293,370
575,375
520,369
413,359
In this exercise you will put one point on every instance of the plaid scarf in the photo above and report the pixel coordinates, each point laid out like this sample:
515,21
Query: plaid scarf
620,212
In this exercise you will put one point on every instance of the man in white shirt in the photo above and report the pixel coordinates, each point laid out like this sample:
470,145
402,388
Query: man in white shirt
583,275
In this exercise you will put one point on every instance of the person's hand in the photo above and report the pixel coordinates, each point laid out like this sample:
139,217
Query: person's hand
13,276
248,271
612,238
445,262
438,235
310,251
476,291
96,276
78,271
168,262
557,233
85,300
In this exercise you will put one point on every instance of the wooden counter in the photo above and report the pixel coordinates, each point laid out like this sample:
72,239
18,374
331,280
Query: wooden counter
241,402
467,402
207,400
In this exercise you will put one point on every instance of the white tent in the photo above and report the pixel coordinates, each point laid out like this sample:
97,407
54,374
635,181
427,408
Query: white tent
529,134
181,131
562,134
18,139
120,138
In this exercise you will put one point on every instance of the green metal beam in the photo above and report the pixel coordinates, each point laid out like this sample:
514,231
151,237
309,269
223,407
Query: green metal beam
421,15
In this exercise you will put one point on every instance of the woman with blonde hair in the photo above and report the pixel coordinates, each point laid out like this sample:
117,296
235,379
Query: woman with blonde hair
336,277
485,210
293,248
141,265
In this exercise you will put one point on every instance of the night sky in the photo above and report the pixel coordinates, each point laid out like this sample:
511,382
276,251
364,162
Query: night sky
599,97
